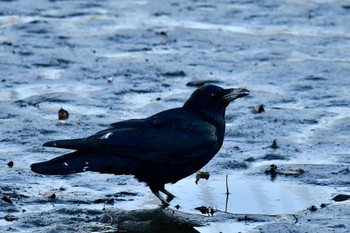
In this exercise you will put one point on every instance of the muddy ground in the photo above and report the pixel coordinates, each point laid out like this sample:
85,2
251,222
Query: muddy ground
107,61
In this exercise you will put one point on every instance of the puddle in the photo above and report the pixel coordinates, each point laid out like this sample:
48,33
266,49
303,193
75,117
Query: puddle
247,196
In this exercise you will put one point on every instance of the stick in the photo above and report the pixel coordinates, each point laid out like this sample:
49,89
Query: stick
227,192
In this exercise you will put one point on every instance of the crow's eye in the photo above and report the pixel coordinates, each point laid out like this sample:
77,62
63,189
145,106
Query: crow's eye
214,96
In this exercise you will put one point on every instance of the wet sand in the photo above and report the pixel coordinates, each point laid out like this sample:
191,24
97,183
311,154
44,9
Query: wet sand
114,60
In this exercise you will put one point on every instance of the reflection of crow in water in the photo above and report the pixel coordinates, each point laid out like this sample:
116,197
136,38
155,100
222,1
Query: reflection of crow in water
160,149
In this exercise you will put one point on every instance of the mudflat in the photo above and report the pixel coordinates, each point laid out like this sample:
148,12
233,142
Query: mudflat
287,147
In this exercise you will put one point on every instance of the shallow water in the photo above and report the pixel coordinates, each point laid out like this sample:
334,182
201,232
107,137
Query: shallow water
109,61
247,196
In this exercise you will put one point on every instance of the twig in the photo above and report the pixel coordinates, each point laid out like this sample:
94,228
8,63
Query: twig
296,219
227,192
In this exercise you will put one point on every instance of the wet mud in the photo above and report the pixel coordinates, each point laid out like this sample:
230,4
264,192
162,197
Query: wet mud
287,147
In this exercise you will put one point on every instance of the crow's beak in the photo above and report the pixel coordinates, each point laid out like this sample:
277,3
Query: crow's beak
234,93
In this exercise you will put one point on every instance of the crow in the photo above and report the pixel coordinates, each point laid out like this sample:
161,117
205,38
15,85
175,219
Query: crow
163,148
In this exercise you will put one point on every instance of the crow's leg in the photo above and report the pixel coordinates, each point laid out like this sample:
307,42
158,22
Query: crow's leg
170,196
155,190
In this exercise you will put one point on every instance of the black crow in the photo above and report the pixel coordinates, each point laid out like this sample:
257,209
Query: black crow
163,148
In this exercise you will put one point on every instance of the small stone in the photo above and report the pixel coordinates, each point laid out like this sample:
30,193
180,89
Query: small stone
271,169
203,209
200,83
341,197
10,218
161,33
196,83
180,73
313,208
259,109
110,79
274,145
10,164
7,199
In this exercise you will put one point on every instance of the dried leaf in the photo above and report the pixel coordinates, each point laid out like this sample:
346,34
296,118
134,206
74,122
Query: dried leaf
202,175
63,114
51,195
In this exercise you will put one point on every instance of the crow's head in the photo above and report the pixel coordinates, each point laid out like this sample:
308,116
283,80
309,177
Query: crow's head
213,100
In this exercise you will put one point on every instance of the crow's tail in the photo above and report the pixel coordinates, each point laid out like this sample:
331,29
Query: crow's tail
81,161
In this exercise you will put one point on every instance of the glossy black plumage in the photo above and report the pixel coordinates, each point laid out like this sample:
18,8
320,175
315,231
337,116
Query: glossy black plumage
160,149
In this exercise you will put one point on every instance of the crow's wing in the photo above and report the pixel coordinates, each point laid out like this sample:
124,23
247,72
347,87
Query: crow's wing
90,143
162,138
174,136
